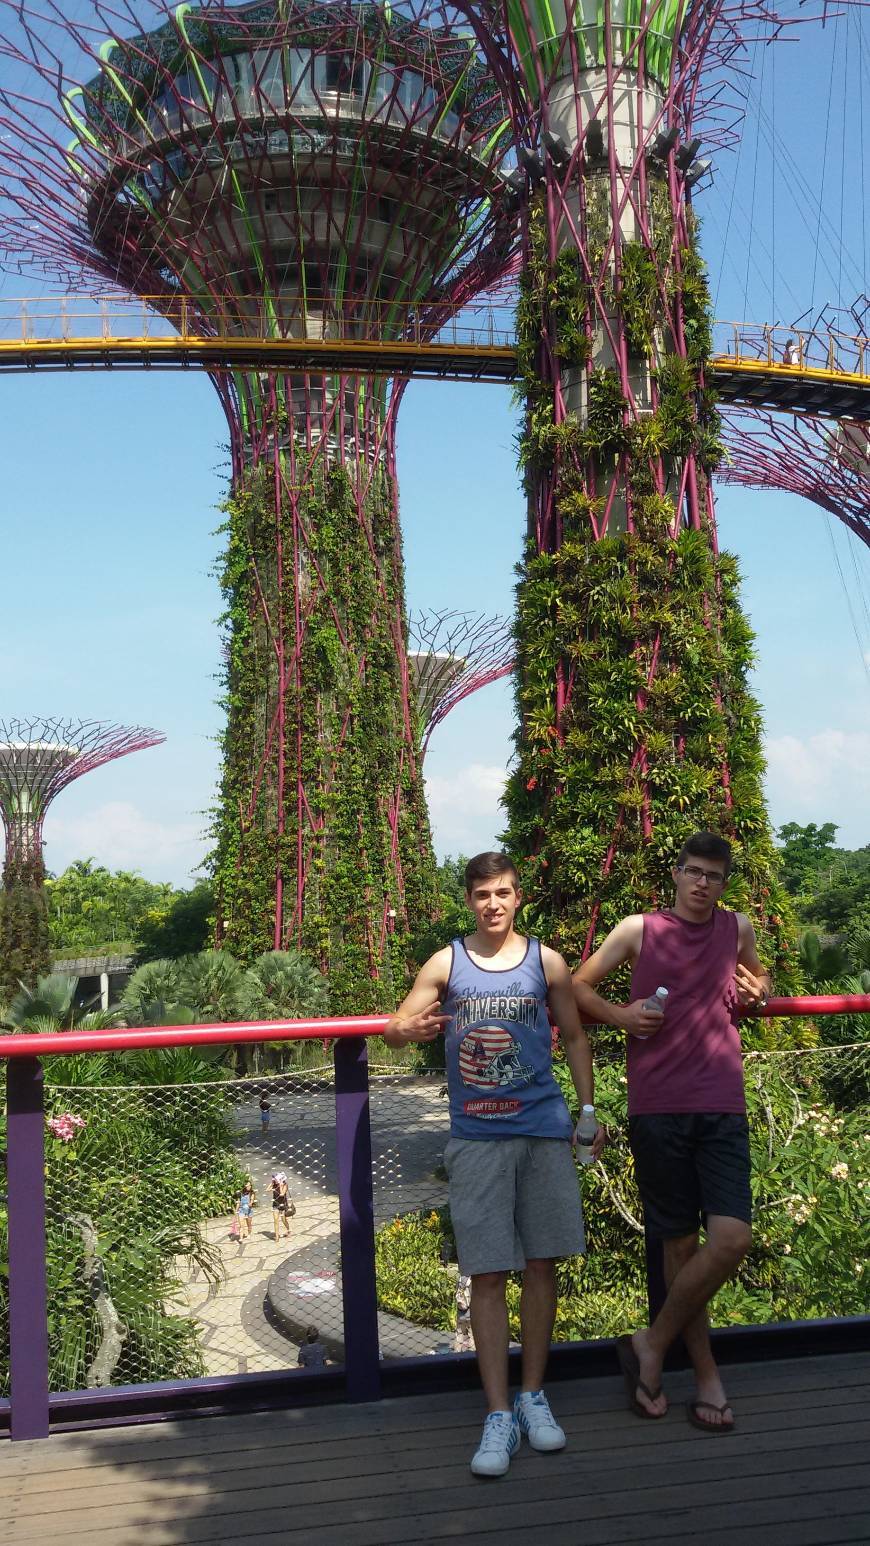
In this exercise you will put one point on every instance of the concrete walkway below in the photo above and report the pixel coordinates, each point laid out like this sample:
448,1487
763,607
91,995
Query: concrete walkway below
409,1130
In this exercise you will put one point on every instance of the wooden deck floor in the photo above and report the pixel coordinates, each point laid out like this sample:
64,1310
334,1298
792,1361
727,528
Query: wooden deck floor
396,1473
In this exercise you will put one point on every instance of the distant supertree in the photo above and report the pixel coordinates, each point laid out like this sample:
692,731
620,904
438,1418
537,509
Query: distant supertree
38,758
636,726
828,463
285,168
451,655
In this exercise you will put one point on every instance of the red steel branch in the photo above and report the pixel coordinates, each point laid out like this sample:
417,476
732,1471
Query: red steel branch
828,463
455,654
39,757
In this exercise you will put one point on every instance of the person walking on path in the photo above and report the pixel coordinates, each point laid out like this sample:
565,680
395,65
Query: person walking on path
514,1190
281,1204
687,1110
265,1113
245,1210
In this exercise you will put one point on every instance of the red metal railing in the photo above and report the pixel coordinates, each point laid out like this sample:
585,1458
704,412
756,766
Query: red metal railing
31,1402
133,1038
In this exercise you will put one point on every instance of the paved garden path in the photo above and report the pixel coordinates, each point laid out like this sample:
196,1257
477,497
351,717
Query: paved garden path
409,1130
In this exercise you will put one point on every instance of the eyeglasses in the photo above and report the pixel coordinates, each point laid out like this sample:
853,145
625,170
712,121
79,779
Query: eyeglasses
694,872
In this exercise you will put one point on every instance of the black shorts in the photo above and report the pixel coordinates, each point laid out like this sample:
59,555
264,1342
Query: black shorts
688,1166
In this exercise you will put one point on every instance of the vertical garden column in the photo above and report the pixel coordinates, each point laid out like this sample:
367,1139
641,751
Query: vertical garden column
323,837
636,722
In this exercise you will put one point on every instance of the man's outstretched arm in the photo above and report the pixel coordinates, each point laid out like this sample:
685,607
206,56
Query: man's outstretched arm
419,1016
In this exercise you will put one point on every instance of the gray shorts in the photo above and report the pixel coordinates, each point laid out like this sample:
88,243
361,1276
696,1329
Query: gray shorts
513,1200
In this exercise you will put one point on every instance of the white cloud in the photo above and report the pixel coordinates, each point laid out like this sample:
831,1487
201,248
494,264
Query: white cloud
464,808
822,777
122,837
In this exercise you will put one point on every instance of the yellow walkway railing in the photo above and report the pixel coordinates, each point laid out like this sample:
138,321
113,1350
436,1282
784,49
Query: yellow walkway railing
813,371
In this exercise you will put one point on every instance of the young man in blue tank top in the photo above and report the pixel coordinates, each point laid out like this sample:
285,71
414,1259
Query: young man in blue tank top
686,1107
514,1191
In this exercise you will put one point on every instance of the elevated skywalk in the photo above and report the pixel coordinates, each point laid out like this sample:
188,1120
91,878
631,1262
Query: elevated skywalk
818,372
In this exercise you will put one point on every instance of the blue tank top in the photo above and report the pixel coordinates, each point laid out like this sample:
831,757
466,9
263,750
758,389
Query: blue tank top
498,1048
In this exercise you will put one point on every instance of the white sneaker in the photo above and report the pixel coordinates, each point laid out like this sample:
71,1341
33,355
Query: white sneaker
533,1418
501,1439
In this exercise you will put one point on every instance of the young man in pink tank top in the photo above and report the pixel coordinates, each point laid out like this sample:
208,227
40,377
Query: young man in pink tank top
686,1108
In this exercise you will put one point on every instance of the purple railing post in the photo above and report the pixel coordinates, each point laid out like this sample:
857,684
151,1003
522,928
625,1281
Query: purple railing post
28,1309
356,1214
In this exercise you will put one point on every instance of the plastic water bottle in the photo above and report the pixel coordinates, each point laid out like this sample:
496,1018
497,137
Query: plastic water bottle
584,1134
656,1001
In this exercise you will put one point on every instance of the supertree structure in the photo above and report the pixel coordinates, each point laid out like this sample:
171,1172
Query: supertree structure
635,725
38,758
451,655
286,168
828,463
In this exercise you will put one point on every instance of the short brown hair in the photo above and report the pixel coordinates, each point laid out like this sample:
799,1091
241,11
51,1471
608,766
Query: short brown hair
489,867
706,845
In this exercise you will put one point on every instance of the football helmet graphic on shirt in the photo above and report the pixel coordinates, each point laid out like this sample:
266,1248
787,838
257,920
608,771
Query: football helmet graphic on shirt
489,1057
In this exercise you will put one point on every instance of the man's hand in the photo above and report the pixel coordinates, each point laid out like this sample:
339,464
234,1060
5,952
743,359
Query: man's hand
425,1025
639,1021
751,990
598,1142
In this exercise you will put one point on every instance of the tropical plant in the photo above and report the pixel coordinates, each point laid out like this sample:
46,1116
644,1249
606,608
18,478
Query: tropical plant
175,1065
53,998
149,992
284,985
51,1006
823,960
91,907
180,925
213,986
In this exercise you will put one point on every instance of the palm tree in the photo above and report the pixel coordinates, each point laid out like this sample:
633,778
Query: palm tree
284,985
51,1006
823,960
213,985
149,993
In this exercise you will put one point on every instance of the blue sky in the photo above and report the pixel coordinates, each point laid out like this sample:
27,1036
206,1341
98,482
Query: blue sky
111,486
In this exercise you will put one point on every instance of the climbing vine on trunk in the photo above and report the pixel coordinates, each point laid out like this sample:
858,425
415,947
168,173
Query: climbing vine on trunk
636,723
322,767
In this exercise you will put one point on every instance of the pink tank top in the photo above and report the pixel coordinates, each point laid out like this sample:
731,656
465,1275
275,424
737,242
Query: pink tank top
693,1063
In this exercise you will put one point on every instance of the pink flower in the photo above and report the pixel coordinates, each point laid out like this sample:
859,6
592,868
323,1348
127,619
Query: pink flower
65,1126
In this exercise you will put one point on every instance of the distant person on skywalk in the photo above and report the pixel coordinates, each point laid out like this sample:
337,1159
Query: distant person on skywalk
791,354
